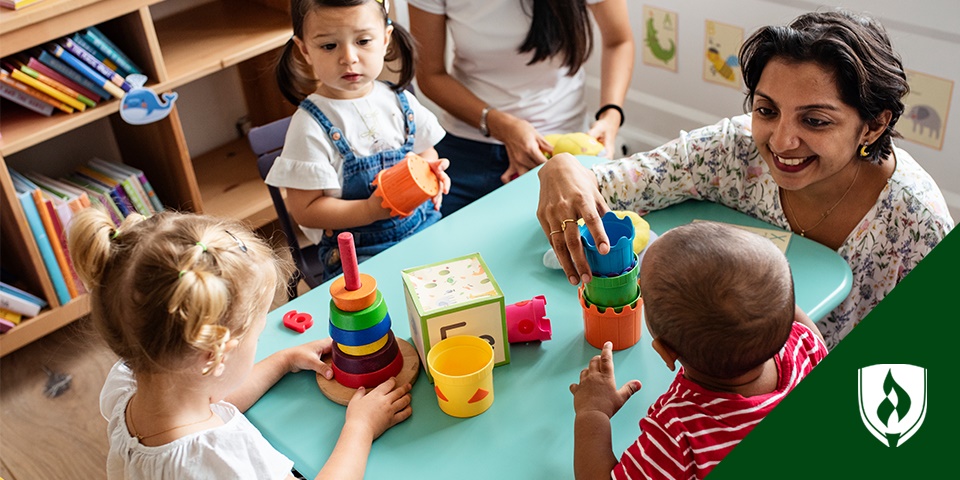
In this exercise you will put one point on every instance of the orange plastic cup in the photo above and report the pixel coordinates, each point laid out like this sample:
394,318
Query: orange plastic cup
622,328
404,186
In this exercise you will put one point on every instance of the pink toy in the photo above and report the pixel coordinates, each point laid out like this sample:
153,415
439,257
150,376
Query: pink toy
297,321
527,321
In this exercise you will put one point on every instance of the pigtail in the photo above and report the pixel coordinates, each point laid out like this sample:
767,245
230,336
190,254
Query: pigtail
91,239
290,73
402,47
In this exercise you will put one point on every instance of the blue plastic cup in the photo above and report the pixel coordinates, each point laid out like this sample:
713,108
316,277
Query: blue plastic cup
620,258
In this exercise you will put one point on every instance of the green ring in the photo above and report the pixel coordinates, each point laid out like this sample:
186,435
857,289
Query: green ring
361,320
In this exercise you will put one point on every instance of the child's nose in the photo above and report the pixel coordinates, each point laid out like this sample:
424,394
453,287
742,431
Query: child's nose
349,56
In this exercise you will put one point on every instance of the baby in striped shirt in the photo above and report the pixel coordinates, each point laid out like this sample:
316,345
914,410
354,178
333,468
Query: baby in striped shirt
720,301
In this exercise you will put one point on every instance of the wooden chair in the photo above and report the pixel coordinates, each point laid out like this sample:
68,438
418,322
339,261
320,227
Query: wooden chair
266,142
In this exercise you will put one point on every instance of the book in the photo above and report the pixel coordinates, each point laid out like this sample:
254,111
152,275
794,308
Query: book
75,197
102,43
17,4
55,239
114,189
25,100
6,287
6,325
130,182
63,69
12,317
58,86
84,44
154,199
6,79
18,304
91,74
22,77
40,67
99,197
94,63
25,196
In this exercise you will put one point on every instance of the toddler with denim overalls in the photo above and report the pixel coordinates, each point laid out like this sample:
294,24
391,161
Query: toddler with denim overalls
350,127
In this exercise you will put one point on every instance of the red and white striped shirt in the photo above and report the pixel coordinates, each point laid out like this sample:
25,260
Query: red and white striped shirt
689,429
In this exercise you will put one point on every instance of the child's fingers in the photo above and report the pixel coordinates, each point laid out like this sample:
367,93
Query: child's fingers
606,358
401,415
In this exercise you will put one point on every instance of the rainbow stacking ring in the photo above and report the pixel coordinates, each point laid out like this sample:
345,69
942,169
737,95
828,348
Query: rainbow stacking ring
369,380
357,338
354,300
367,363
363,349
358,320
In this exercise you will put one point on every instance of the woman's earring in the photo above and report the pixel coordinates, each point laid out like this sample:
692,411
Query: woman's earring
863,150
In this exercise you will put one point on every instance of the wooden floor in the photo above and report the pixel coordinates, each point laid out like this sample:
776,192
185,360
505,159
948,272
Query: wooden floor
63,437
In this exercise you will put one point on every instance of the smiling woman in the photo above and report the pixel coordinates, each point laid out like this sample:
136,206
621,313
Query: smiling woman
815,155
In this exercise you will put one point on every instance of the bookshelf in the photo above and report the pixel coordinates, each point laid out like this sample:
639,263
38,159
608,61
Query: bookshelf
199,38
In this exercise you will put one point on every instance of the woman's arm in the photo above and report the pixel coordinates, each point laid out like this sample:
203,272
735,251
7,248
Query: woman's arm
313,209
616,67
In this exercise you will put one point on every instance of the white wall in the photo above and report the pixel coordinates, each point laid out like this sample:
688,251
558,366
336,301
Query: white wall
661,102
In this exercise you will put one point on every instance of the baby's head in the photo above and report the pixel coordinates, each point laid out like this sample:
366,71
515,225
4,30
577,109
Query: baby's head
719,296
171,289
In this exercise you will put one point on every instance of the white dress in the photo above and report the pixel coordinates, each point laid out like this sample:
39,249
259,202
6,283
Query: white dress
234,450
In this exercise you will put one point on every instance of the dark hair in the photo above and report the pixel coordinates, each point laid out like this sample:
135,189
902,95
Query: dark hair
559,27
720,297
294,75
869,74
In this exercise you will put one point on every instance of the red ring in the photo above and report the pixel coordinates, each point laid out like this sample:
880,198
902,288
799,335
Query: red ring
369,380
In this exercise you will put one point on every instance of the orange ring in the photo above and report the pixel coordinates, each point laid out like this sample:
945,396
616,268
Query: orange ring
354,300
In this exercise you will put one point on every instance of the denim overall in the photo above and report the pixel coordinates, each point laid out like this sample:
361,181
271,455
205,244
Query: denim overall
358,174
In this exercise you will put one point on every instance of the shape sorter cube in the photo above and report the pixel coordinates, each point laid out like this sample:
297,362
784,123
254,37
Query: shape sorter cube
455,297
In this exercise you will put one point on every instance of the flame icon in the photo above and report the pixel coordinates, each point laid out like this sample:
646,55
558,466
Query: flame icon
888,411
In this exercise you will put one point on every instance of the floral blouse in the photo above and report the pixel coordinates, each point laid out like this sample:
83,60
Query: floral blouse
721,164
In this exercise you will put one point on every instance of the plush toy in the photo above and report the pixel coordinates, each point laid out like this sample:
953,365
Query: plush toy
577,143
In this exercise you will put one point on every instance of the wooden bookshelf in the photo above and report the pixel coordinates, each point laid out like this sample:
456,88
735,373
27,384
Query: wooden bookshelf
202,38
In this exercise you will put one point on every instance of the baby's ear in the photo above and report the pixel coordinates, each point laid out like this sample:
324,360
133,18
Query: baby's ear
666,353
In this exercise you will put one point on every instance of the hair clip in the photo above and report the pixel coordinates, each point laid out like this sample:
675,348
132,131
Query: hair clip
243,247
386,5
202,245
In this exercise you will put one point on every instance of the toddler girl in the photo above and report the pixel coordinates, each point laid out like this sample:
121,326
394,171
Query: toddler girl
182,299
350,126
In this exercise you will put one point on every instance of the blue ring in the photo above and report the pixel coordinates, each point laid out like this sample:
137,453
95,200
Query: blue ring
357,338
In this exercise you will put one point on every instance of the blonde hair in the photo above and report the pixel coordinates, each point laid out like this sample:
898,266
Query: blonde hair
169,287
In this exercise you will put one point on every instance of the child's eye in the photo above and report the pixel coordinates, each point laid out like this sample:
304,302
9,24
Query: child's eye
364,42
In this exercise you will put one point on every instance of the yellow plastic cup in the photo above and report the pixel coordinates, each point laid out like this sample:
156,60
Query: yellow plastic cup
462,370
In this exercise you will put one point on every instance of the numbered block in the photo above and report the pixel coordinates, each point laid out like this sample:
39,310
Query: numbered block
455,297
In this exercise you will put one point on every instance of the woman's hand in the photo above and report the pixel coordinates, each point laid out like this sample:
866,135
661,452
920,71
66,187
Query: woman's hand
605,131
569,191
439,166
375,411
525,146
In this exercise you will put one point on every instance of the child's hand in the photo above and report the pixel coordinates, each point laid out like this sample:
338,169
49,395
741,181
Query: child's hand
597,390
379,409
307,357
438,167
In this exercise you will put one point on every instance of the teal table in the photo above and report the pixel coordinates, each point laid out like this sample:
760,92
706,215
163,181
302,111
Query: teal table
528,431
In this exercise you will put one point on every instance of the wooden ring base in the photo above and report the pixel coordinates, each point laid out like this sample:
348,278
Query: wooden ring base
408,374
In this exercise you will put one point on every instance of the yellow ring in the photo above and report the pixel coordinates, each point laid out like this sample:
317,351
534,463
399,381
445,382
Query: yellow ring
563,224
364,349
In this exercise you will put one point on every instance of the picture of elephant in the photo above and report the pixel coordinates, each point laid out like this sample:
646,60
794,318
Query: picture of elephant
924,116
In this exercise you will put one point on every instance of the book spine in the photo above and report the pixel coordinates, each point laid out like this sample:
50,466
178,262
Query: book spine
54,242
25,100
12,317
114,189
101,42
88,72
6,79
63,69
22,294
58,86
47,89
46,250
41,68
96,52
18,305
151,194
96,196
92,61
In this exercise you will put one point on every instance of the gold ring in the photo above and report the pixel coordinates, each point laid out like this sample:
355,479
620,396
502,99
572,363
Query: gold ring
554,231
563,224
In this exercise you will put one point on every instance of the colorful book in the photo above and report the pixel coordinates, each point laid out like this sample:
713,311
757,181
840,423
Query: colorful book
58,86
25,195
25,100
6,287
98,196
8,80
6,325
41,68
79,40
75,197
62,68
115,190
43,208
131,184
47,89
12,317
18,305
127,192
94,63
78,65
17,4
102,43
151,194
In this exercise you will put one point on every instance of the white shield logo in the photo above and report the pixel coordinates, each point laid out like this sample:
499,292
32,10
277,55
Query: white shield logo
893,401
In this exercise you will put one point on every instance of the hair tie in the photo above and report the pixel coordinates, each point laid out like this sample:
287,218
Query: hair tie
202,246
181,274
115,234
389,22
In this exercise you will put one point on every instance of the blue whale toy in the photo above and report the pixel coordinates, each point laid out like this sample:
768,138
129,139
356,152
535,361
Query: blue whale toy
141,106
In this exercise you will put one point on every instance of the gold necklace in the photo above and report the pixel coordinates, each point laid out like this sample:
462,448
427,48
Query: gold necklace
824,215
142,437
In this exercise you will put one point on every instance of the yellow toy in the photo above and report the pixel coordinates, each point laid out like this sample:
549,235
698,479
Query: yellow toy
641,229
577,143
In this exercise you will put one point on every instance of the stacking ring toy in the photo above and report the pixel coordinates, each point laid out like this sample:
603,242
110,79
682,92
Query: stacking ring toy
367,363
360,338
354,300
358,320
369,380
363,349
